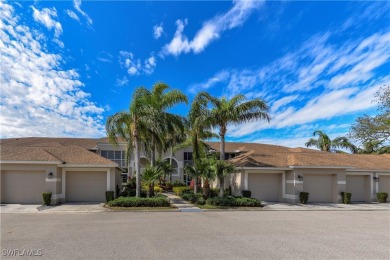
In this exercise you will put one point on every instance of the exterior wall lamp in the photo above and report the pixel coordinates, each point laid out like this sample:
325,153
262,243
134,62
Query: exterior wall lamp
50,175
376,179
300,178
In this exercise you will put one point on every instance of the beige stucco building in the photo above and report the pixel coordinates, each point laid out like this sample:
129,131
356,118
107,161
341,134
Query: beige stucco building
77,169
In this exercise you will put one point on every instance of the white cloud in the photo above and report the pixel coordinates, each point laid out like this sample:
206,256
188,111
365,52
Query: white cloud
135,66
211,29
47,17
121,82
77,6
158,30
72,15
39,97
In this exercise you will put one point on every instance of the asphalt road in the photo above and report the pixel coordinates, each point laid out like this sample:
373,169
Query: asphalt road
204,235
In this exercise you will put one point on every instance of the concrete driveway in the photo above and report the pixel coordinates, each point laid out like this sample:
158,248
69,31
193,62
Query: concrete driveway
69,207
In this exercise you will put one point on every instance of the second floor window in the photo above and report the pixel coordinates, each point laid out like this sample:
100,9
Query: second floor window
187,156
116,156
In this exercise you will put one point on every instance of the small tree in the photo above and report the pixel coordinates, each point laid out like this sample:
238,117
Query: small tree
149,176
221,169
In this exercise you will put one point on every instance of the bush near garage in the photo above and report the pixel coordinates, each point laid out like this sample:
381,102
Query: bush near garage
303,197
382,197
110,196
346,197
158,201
46,197
233,202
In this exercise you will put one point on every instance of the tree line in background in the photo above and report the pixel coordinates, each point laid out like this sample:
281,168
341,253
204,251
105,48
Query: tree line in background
372,132
150,128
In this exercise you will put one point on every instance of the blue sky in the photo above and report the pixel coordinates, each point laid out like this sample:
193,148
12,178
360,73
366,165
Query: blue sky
67,65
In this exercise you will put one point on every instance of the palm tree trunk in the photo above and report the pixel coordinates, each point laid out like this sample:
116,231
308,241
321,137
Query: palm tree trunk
196,184
137,165
222,146
222,187
206,187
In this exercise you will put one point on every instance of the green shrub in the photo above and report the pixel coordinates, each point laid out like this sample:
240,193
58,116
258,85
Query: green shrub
304,197
46,196
382,197
168,186
233,202
158,189
159,195
212,193
200,201
179,190
246,193
110,196
178,184
132,192
346,197
139,202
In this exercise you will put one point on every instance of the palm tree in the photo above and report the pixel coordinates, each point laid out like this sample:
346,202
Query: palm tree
165,122
234,111
131,127
198,130
221,169
149,176
324,143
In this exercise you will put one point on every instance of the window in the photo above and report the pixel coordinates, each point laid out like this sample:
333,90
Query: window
187,156
118,157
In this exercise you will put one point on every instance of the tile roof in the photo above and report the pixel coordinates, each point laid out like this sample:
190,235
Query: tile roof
67,155
86,143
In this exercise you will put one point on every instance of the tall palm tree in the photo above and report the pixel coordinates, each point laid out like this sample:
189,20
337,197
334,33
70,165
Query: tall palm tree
198,130
161,100
324,143
234,111
131,127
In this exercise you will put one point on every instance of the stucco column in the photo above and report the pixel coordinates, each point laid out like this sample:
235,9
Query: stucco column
341,186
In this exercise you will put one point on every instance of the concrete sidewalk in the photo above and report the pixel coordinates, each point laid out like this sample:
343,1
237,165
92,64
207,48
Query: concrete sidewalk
181,204
79,207
325,206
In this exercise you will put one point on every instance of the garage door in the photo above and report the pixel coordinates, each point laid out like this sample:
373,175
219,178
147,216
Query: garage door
358,185
384,183
320,188
22,187
85,186
266,187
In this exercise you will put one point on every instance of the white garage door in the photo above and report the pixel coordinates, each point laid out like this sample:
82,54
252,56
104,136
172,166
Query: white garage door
86,186
358,185
320,187
384,183
22,187
266,187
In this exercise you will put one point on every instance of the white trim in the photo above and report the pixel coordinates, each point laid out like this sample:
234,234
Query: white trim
290,196
320,167
53,179
114,165
108,180
341,182
370,170
31,162
246,185
265,168
86,169
294,182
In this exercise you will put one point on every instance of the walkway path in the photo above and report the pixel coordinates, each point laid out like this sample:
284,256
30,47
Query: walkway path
181,204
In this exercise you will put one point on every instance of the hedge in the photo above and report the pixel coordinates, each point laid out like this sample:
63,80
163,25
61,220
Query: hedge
139,202
109,196
382,197
233,202
346,197
46,197
304,197
179,190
